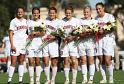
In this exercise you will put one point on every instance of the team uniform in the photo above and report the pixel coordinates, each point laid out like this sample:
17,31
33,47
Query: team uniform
7,50
52,49
7,45
33,48
70,49
19,29
107,40
87,48
105,46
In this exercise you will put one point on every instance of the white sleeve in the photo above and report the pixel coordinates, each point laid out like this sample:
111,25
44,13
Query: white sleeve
95,22
3,40
12,25
29,23
78,22
112,18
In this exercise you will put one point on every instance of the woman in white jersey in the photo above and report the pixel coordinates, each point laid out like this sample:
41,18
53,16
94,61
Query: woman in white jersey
70,52
17,36
50,51
34,53
87,46
105,45
6,47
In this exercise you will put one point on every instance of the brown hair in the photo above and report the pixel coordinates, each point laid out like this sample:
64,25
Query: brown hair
19,8
69,8
53,8
101,4
87,7
35,8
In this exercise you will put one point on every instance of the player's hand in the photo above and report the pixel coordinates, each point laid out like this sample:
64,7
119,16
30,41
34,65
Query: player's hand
82,35
69,39
13,49
77,38
51,37
101,31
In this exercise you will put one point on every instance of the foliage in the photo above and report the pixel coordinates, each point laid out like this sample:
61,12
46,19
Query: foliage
7,12
75,3
4,20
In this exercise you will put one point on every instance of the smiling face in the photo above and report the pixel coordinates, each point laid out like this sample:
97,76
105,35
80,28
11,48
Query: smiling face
20,12
87,13
68,14
100,10
36,14
52,14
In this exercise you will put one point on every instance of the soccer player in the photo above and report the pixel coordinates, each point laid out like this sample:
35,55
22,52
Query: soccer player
17,36
105,45
34,53
6,47
70,52
87,46
50,51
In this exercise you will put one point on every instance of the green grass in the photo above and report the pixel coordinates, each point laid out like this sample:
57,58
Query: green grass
118,78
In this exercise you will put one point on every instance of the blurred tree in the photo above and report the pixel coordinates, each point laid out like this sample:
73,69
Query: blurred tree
4,20
7,12
45,3
78,3
13,4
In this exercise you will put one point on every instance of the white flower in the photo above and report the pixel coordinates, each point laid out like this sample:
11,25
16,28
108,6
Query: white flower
42,25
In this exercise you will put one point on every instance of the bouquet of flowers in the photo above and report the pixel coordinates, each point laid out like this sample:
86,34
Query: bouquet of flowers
29,41
104,28
110,26
35,32
77,31
59,32
40,28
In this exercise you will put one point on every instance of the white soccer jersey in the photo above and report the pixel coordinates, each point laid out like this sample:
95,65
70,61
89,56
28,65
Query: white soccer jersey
52,48
70,49
107,40
87,22
69,25
52,25
37,41
87,46
7,42
19,29
106,18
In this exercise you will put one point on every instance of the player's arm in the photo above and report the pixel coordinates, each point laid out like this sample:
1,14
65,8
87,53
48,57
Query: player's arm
3,44
11,40
11,37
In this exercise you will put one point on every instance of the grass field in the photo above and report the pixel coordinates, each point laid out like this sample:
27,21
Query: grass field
118,78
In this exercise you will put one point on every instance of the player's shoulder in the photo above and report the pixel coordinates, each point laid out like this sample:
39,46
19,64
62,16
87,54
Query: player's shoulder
75,19
94,20
13,20
110,17
64,19
5,38
108,14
